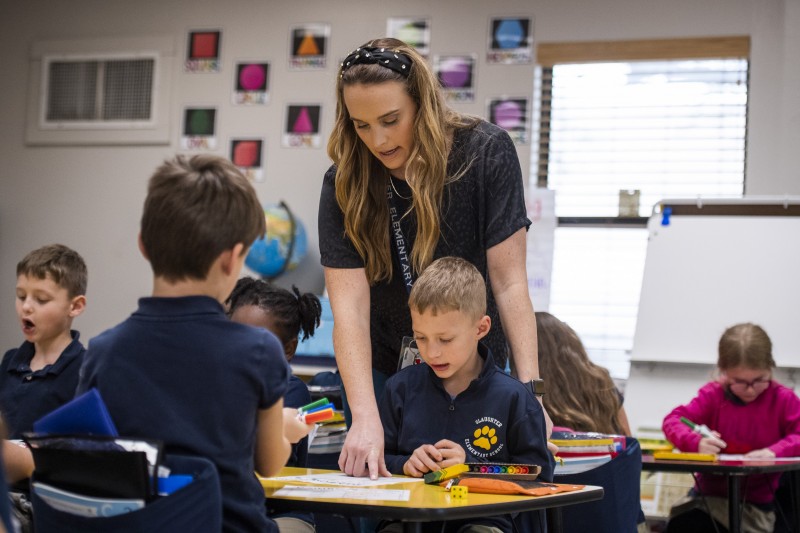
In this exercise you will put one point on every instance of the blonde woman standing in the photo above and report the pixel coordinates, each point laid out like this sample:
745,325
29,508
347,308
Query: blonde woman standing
412,181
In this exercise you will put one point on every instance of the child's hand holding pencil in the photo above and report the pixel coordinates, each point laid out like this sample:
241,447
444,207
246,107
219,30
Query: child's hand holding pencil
711,441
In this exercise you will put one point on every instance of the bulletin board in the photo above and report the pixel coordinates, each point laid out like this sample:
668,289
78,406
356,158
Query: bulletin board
712,264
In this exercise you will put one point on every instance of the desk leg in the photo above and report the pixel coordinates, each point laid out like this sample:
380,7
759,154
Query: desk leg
412,527
734,503
794,485
555,522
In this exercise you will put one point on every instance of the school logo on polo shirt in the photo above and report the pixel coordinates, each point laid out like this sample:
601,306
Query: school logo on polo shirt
485,439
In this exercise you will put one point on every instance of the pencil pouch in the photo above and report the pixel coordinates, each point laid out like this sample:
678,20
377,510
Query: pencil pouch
487,485
97,466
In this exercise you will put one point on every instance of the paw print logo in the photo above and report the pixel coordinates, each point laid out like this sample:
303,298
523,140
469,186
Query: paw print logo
485,437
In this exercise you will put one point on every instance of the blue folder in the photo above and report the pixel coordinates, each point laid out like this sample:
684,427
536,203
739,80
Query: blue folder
83,415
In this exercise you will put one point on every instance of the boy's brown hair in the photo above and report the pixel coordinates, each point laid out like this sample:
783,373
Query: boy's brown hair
196,208
746,345
450,284
64,265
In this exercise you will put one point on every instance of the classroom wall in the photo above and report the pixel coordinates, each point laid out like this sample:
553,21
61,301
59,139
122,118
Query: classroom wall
89,197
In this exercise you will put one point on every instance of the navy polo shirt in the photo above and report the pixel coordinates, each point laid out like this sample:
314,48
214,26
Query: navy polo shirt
180,371
26,396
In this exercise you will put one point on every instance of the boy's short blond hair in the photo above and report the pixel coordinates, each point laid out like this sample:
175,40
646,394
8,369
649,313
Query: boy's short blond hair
196,208
64,265
450,284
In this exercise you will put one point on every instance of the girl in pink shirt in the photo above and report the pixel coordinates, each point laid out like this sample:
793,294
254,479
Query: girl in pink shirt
749,414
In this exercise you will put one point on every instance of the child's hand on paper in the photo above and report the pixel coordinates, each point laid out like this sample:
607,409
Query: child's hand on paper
764,453
711,444
293,429
433,457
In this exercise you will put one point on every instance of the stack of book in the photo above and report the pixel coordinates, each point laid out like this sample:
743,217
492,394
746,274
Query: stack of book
652,440
329,436
581,451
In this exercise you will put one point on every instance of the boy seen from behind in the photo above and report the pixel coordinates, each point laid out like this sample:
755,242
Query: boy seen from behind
178,369
459,407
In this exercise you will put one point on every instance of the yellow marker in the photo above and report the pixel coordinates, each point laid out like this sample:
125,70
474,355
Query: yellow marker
445,473
686,456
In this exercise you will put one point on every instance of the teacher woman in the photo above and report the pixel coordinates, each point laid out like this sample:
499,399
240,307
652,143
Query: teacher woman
413,180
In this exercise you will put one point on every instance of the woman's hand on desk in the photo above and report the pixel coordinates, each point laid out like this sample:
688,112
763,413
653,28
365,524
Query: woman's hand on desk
433,457
362,453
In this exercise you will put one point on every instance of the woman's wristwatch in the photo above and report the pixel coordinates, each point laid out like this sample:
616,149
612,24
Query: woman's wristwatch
536,386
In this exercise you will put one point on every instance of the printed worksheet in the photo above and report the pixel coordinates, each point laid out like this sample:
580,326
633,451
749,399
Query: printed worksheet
343,480
297,491
741,457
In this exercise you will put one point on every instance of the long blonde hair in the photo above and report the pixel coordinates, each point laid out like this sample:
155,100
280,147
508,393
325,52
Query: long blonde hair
580,394
361,180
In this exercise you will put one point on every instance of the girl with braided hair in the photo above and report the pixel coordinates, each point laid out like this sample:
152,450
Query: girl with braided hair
261,304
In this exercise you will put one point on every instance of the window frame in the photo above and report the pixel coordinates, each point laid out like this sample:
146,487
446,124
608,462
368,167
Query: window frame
555,53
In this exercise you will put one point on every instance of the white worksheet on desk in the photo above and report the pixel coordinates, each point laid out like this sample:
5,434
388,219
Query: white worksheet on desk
341,493
340,479
738,457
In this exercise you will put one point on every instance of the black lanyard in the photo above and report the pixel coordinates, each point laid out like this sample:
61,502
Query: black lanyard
400,242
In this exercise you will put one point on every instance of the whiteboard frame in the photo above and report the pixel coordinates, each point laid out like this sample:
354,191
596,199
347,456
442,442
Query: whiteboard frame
716,263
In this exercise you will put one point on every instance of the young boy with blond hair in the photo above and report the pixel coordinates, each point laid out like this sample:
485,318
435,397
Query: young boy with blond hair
458,407
178,369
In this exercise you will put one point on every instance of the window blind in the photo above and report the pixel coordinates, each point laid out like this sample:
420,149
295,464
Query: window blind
668,128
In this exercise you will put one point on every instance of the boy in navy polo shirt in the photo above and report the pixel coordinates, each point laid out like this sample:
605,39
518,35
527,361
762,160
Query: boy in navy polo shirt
459,407
42,373
178,369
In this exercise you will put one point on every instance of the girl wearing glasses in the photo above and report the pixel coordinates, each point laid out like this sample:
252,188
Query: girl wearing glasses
750,414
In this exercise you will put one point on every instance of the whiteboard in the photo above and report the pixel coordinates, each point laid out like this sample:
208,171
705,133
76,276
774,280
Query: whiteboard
704,273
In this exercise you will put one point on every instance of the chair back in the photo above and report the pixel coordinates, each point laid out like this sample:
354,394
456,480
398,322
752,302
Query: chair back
620,510
196,507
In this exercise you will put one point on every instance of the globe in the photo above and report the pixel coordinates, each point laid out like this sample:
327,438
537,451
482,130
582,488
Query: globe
282,248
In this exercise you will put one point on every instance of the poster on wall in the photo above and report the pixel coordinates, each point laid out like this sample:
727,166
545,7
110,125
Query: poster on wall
412,31
511,114
199,128
248,155
251,86
510,40
308,46
302,126
457,75
202,51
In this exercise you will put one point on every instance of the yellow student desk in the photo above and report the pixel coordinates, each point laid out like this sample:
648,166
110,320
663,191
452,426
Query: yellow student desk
734,471
427,503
